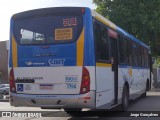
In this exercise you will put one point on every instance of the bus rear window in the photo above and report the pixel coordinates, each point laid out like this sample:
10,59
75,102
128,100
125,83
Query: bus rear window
47,29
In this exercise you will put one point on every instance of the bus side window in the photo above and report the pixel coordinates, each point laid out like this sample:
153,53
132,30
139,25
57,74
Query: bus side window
139,55
121,50
126,50
102,43
143,59
134,54
146,57
130,54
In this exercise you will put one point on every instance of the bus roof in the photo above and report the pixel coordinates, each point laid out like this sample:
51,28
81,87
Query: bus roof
50,10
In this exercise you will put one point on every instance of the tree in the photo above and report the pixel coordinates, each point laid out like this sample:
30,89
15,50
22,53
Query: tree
138,17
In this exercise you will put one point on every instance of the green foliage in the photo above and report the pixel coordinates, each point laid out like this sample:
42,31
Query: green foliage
156,63
138,17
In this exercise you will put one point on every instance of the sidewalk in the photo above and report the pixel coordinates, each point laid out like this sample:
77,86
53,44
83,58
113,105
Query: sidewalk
155,90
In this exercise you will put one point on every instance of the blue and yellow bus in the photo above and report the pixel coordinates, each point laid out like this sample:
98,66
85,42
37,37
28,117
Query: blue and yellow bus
74,58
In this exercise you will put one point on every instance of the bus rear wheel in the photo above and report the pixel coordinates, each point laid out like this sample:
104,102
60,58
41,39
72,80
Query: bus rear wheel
146,89
125,99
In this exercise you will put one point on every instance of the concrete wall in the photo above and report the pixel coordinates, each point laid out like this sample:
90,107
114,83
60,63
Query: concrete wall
4,61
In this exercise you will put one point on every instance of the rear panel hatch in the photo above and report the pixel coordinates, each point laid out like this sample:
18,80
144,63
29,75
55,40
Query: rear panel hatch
47,54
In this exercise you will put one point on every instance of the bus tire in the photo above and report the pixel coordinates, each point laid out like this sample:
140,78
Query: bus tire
73,111
146,89
125,99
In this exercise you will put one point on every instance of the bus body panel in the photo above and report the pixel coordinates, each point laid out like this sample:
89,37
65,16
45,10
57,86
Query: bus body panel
38,75
48,80
51,56
89,48
104,85
54,101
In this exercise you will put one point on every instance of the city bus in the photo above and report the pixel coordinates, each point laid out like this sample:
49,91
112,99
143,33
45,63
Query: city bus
73,58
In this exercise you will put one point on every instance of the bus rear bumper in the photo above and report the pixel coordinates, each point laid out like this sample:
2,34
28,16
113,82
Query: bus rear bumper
54,101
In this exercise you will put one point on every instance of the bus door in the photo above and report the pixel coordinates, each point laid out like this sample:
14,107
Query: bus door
114,61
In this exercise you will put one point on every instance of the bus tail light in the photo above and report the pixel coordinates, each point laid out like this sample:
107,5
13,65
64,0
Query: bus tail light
85,85
83,10
12,82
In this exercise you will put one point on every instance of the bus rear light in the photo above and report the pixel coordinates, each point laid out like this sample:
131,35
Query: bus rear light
86,82
85,85
12,82
83,10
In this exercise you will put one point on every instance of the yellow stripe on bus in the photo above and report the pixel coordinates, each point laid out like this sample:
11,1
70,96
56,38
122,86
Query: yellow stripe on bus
14,52
106,22
130,71
80,49
103,65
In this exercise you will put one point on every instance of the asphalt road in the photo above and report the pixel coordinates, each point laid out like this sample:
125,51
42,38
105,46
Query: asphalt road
149,105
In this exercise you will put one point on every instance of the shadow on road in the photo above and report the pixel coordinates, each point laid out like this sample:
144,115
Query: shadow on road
147,105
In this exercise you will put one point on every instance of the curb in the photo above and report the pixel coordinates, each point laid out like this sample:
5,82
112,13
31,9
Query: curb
155,90
4,100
